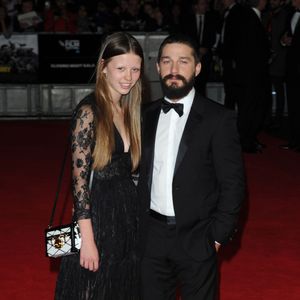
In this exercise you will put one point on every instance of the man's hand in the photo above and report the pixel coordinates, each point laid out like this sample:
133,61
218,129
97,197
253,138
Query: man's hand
286,40
218,246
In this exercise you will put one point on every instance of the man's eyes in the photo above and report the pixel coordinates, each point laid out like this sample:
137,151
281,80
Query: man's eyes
184,62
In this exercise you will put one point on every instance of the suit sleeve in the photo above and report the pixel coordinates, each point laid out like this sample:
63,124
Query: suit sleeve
229,168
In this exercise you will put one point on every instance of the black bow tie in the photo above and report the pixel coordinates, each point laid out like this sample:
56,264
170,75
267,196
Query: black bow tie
166,106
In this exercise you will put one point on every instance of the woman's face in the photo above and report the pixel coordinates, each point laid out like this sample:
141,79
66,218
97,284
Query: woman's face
122,72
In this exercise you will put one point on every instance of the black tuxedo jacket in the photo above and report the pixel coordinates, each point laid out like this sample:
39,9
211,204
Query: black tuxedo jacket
208,182
293,54
252,50
211,22
233,31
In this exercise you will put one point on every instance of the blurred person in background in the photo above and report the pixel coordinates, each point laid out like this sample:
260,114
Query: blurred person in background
5,26
84,21
275,19
202,26
252,84
230,34
33,23
59,17
11,11
291,40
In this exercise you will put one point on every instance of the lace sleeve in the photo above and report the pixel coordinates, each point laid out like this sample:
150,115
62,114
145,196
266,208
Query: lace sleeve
82,145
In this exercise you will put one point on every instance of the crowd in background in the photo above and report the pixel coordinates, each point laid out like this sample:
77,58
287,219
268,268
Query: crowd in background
250,45
104,16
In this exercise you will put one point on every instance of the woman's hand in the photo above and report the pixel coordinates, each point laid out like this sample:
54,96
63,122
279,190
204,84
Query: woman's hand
89,256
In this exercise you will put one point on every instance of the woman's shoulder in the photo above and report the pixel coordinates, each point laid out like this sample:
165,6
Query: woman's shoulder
88,100
88,103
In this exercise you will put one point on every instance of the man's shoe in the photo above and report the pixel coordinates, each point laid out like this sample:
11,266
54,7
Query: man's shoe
287,146
260,145
252,149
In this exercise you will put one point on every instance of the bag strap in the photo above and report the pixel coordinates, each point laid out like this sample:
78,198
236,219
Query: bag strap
60,179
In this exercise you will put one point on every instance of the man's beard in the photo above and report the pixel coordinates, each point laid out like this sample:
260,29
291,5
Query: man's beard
173,91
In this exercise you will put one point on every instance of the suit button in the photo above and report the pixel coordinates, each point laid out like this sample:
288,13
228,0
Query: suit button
176,188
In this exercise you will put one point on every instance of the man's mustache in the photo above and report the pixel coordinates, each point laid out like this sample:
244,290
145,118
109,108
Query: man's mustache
177,77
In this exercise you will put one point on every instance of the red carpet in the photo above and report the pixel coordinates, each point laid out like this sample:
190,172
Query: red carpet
261,263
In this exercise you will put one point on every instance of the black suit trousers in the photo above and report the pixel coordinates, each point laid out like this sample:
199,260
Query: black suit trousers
228,79
166,266
253,100
293,102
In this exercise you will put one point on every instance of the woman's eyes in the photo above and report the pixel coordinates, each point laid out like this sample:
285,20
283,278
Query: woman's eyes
135,70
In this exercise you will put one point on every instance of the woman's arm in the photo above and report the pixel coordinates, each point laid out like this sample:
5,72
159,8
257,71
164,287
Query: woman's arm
82,144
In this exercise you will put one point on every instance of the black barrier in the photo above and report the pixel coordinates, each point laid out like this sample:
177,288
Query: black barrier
66,58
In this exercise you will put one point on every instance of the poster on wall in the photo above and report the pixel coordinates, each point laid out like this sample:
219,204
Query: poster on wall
19,58
68,59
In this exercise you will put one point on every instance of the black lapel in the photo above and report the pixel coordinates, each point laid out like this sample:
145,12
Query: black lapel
149,133
191,128
297,27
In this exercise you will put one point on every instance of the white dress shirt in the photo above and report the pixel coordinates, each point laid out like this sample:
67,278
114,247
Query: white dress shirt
257,12
168,135
294,21
200,20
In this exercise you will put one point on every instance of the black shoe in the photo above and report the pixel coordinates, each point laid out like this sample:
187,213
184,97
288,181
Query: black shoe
260,145
252,149
287,146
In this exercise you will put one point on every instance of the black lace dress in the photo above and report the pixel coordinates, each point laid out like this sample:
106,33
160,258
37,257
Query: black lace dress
112,205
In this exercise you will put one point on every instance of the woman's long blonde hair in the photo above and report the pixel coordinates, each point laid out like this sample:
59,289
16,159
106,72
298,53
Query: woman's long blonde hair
116,44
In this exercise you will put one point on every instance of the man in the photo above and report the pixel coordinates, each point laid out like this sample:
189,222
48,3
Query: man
252,84
202,26
275,19
292,40
229,36
191,181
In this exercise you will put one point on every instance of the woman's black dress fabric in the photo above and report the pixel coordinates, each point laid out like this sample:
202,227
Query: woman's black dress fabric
112,206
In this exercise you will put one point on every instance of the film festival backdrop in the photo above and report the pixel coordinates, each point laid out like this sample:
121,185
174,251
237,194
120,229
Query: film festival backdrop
65,58
68,58
46,74
19,59
48,58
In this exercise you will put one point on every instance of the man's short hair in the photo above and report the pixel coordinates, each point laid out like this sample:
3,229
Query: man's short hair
179,39
252,3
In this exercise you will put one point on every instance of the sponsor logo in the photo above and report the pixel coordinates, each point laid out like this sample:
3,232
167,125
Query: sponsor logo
70,45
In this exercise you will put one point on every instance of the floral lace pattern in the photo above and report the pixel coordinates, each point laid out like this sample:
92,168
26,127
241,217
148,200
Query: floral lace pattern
113,207
83,141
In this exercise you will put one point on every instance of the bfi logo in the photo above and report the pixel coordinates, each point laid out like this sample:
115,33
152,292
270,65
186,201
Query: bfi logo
70,45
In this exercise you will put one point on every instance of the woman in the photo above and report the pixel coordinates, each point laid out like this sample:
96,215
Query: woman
106,139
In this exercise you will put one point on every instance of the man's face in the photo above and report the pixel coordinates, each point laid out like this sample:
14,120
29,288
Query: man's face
275,3
27,6
296,3
227,3
261,5
201,7
177,69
